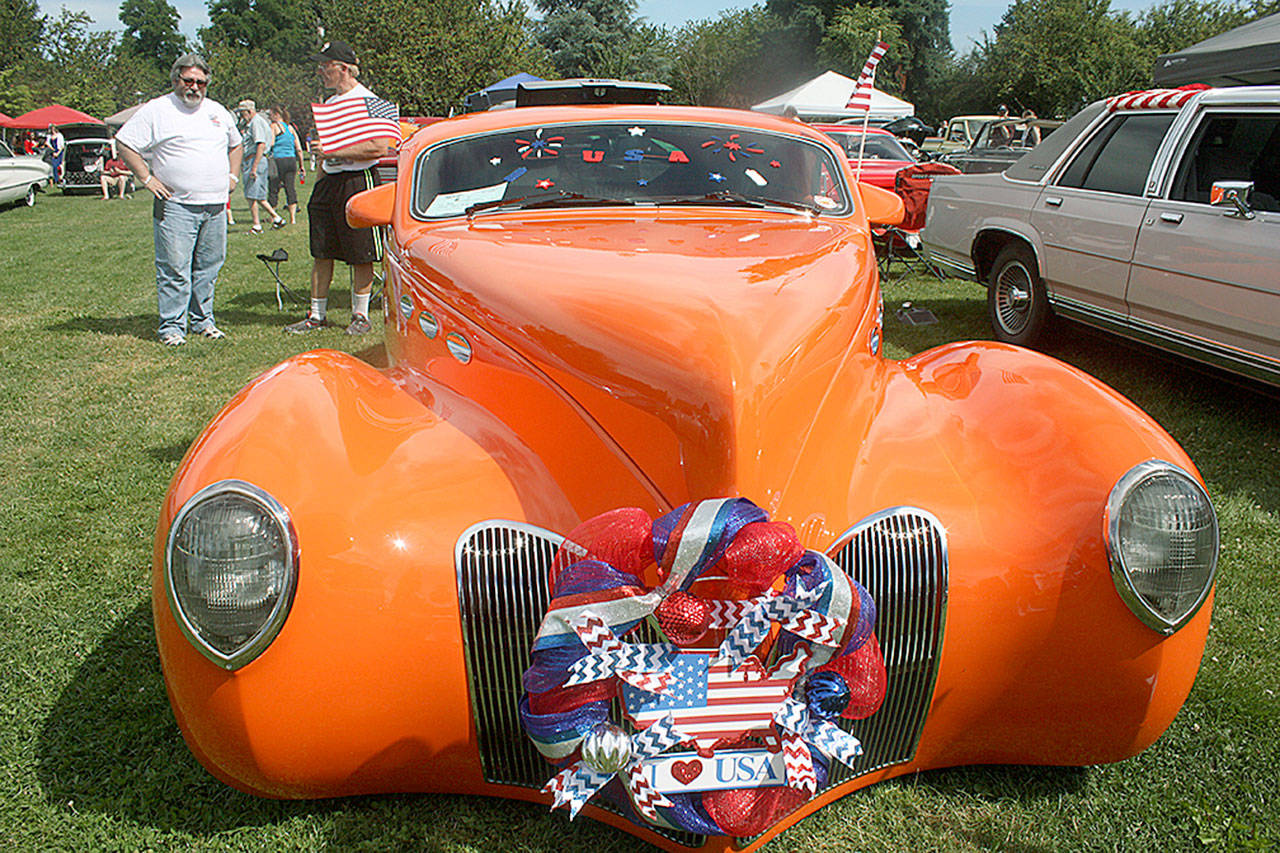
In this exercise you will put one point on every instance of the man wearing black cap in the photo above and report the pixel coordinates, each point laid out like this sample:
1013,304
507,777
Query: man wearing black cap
343,173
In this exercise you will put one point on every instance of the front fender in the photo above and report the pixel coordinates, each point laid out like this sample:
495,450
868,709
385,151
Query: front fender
379,488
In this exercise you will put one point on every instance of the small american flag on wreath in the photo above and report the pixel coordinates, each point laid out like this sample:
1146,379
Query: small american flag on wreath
351,121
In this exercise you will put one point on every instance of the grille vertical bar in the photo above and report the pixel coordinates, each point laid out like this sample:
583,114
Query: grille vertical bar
898,554
503,589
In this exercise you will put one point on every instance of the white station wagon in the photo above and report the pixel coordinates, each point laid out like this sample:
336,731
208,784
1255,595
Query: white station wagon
1154,215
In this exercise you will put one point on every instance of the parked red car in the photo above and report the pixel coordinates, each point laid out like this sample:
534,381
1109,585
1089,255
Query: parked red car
882,155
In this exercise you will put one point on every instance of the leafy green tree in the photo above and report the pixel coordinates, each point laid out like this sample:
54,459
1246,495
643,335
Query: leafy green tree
21,25
922,49
1054,56
75,65
16,94
582,36
285,30
711,59
428,56
151,32
242,73
849,39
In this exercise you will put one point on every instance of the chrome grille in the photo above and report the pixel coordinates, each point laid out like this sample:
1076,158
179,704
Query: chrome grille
899,555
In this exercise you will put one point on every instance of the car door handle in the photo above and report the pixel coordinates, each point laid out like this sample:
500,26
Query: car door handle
1053,201
1175,218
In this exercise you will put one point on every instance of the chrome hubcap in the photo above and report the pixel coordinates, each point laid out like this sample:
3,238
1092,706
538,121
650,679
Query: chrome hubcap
1013,298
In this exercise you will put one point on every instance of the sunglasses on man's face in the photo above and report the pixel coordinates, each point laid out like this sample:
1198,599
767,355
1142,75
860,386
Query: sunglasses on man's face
191,81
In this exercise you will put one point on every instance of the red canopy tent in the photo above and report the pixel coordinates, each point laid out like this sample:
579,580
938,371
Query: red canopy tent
5,120
52,114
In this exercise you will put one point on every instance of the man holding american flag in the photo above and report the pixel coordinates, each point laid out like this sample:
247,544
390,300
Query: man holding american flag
355,128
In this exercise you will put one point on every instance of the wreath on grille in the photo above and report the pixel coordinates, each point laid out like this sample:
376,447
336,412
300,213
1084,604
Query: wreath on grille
766,644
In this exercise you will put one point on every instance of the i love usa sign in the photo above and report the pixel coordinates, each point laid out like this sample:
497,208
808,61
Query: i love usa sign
678,773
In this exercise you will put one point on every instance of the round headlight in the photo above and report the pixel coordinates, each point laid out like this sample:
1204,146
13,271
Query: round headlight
231,568
1162,539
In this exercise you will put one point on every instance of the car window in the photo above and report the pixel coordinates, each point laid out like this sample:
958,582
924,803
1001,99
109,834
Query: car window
1034,166
877,147
1118,157
1232,147
4,150
626,163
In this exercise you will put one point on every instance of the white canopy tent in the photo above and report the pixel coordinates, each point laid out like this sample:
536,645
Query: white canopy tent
825,96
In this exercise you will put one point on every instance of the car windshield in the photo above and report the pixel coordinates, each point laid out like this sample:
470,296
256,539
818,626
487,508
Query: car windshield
600,164
4,150
878,146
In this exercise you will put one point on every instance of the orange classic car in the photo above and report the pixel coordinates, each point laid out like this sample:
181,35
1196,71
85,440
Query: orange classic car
640,522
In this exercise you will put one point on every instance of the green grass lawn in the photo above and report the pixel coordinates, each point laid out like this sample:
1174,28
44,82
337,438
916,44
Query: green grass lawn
96,416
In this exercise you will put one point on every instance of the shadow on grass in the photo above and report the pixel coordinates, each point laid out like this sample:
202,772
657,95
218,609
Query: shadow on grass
170,454
110,745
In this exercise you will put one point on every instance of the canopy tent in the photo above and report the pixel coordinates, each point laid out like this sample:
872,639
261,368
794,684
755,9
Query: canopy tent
1246,56
118,119
52,114
496,93
824,98
5,120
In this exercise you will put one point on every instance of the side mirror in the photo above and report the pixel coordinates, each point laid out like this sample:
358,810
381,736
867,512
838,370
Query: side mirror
881,206
372,207
1233,194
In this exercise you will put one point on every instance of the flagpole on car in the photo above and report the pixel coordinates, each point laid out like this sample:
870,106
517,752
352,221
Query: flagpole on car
859,100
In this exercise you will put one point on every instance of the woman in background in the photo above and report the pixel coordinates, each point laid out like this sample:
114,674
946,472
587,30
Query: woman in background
286,161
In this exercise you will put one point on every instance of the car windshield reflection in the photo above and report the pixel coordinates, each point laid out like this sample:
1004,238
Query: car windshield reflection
574,165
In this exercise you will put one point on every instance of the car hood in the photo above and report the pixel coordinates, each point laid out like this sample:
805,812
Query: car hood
674,330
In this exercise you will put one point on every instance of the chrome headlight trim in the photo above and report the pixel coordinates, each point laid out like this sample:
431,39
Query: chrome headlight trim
259,642
1120,575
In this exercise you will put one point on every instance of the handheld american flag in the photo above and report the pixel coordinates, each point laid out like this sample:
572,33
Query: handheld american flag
861,97
351,121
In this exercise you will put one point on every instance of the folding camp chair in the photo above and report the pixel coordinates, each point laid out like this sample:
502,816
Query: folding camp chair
272,263
899,245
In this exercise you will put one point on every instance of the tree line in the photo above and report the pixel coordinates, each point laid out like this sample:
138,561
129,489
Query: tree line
1052,56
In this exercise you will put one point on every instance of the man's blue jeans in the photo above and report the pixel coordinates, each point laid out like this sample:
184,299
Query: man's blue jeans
191,244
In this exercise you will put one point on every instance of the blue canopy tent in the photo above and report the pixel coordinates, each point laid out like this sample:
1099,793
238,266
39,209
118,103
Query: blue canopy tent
496,93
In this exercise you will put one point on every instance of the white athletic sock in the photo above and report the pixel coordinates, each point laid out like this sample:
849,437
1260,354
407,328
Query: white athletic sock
318,307
360,303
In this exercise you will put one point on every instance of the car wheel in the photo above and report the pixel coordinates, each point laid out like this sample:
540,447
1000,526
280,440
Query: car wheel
1016,300
30,200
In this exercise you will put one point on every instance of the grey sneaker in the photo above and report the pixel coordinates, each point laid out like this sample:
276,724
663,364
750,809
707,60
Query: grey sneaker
173,339
306,324
360,325
213,333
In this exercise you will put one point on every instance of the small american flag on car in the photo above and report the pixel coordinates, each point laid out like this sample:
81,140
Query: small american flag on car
351,121
708,701
861,97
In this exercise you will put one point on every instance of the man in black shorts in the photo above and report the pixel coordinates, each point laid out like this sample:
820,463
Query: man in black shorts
343,173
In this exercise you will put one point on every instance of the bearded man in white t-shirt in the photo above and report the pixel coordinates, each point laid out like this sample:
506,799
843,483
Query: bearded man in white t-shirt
186,150
342,174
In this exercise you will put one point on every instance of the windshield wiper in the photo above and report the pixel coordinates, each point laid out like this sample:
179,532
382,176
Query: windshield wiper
534,201
732,197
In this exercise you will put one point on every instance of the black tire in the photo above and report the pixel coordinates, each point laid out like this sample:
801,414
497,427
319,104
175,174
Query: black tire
1017,303
30,200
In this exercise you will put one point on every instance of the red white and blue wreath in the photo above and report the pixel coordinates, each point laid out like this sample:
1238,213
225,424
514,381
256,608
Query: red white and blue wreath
767,644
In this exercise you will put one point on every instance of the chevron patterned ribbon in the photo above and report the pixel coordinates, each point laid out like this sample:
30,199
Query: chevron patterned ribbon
647,667
832,740
646,798
799,763
577,783
792,614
